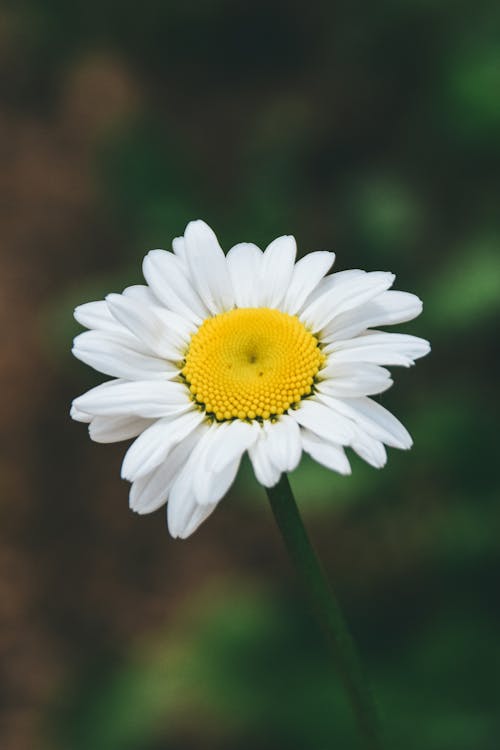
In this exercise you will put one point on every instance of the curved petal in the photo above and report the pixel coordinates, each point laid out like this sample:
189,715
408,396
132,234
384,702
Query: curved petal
333,281
325,452
79,416
116,429
388,308
229,441
370,450
207,267
179,328
343,291
265,471
346,379
97,316
378,347
373,419
194,516
142,398
216,470
151,491
154,444
117,355
166,275
141,293
323,421
244,263
179,248
307,274
149,327
276,270
284,443
184,512
211,486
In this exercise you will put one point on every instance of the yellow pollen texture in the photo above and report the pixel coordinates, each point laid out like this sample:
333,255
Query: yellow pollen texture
251,363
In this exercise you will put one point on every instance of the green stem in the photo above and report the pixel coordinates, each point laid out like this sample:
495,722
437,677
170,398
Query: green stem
327,610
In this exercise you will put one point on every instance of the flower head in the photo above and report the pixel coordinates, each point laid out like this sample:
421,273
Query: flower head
218,355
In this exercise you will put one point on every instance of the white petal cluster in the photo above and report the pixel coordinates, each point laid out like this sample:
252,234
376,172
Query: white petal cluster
140,337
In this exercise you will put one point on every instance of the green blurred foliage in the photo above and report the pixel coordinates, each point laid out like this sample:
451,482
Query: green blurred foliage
244,664
373,130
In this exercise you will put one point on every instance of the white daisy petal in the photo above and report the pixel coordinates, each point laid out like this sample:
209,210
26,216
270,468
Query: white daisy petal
211,486
97,316
333,281
166,275
179,248
325,453
324,422
390,429
230,440
82,416
389,308
154,444
370,450
151,491
184,513
375,355
284,443
216,470
277,270
79,416
116,429
198,514
145,398
208,267
307,274
265,471
141,293
378,347
344,292
244,262
373,418
116,354
179,329
346,379
149,327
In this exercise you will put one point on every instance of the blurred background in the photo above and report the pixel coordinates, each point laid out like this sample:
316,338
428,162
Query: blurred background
367,128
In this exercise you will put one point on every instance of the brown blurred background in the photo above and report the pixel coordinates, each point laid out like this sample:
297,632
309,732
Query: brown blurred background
370,129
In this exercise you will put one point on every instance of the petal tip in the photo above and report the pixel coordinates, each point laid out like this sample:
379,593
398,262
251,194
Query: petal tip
198,225
112,299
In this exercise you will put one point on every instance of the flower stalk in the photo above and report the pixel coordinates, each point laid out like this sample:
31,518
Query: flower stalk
328,612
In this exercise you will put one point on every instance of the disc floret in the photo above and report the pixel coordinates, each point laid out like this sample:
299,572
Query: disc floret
251,363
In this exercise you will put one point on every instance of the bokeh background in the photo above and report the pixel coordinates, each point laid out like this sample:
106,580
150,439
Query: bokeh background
367,128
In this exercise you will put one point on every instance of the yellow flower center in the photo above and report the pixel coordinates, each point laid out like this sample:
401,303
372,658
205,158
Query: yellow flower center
251,363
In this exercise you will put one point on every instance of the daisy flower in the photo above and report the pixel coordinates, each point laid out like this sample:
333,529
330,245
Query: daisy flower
218,355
